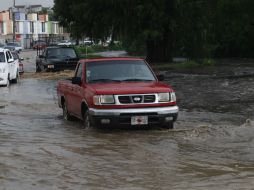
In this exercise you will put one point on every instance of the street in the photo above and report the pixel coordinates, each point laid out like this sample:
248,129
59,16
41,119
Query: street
211,147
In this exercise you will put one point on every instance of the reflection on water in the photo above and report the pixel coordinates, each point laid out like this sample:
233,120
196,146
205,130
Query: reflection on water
39,150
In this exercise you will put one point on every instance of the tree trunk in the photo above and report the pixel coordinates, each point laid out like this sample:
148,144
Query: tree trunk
159,51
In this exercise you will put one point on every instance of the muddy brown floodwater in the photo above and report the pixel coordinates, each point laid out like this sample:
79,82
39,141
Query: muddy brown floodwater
211,147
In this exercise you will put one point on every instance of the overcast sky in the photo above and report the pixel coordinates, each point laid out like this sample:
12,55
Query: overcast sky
5,4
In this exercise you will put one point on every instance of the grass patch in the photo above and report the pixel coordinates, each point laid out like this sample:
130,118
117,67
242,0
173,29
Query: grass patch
89,56
82,49
186,65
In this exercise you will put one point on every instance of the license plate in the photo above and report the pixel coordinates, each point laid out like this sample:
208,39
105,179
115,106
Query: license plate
139,120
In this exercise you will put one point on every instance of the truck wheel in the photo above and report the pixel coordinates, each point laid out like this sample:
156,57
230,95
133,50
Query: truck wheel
17,78
86,119
66,114
8,82
169,125
38,69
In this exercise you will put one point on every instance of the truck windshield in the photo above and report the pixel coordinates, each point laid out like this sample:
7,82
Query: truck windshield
118,70
2,57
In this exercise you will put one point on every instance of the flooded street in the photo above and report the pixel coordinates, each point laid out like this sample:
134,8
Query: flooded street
211,147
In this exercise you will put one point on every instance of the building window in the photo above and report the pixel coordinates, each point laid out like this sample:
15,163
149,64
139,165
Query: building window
17,27
43,26
31,27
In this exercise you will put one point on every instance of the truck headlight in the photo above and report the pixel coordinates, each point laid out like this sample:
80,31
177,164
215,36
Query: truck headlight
103,99
173,97
163,97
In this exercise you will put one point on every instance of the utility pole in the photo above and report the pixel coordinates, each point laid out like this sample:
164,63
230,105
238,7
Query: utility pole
14,21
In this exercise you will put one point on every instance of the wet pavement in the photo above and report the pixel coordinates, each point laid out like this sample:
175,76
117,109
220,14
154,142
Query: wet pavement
211,147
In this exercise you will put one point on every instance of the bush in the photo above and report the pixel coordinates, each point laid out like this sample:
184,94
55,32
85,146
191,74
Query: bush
188,64
90,56
208,62
97,48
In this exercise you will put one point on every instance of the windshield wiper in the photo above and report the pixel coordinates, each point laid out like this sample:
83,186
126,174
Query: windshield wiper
104,80
127,80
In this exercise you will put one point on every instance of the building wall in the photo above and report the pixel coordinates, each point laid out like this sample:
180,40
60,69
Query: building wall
8,27
4,16
20,16
32,16
24,22
43,18
49,27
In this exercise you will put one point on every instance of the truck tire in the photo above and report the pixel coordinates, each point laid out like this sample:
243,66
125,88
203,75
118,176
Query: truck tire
8,83
38,69
86,119
17,78
66,114
169,125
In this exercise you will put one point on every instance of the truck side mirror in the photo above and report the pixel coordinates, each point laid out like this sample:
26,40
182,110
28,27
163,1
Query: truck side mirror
160,77
76,80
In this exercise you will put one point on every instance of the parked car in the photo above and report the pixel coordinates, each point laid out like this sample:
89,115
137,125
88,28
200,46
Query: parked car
88,42
18,60
8,68
39,45
11,48
57,58
117,91
17,47
64,43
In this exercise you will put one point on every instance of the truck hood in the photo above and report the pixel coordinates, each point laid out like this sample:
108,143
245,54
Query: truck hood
130,88
64,60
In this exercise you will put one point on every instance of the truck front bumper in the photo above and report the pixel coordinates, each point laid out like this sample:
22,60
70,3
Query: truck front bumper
123,117
3,79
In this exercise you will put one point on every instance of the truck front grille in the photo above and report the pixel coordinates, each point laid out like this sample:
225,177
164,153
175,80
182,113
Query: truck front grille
124,99
136,99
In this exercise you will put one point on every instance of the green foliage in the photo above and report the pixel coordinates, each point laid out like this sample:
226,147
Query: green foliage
160,29
82,49
190,64
186,65
89,56
208,62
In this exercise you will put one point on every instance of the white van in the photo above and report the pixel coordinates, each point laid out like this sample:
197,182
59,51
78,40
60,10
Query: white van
9,70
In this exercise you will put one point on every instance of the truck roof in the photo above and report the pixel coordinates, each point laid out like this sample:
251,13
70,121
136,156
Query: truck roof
111,59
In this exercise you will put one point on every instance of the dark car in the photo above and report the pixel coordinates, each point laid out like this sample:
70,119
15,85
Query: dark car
11,48
56,59
15,46
39,45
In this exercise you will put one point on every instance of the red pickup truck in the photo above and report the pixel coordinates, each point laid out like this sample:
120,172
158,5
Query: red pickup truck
117,92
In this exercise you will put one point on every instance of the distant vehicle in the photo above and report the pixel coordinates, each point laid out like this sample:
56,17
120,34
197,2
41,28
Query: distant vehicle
57,58
11,48
117,92
16,45
18,60
9,69
65,43
88,42
39,45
